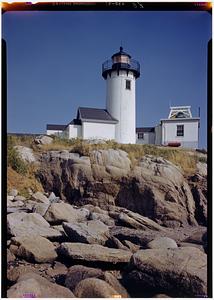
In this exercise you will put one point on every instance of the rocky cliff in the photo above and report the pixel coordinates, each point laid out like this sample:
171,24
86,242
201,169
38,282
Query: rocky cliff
155,188
107,227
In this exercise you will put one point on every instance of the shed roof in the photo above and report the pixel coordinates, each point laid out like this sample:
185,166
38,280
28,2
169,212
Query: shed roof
88,114
75,122
55,127
145,129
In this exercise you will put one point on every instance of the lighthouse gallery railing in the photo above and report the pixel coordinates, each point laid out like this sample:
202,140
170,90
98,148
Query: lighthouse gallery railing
133,65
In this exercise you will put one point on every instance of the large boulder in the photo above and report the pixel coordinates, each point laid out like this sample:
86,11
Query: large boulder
91,232
159,191
40,208
29,224
136,236
143,237
31,285
78,273
94,288
102,217
177,272
40,197
35,249
111,158
110,163
65,174
93,253
63,212
162,242
137,221
114,282
26,154
43,140
14,273
197,236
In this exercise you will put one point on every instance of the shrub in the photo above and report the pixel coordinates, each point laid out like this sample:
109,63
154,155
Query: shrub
15,161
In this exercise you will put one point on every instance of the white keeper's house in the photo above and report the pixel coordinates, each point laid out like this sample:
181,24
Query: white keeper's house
118,120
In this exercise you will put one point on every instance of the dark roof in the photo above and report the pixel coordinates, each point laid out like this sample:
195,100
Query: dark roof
145,129
95,114
75,122
55,127
121,52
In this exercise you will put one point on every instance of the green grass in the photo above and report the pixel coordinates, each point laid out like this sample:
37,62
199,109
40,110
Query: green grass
13,159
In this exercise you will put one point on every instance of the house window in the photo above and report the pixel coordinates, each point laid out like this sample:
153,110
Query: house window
180,130
140,135
128,84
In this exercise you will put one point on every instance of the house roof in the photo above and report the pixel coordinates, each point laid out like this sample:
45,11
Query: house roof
75,122
145,129
95,115
55,127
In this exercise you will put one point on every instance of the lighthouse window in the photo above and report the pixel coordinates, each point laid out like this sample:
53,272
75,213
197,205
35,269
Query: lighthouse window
128,84
180,130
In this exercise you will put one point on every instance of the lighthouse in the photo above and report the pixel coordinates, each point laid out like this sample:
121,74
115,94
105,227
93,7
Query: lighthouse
120,73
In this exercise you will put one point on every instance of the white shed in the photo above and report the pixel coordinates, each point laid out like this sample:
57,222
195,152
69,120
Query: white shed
96,123
90,123
180,128
145,135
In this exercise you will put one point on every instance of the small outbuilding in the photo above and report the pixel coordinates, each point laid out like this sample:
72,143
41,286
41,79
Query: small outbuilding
179,129
90,123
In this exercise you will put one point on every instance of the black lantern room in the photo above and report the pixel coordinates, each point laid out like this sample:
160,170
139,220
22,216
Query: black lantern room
121,61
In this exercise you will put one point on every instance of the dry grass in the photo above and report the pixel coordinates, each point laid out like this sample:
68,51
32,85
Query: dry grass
178,156
23,182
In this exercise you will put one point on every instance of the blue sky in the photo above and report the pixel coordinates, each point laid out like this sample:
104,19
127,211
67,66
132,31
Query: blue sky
55,59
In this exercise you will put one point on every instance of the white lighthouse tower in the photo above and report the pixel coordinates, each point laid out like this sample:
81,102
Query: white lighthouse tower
120,73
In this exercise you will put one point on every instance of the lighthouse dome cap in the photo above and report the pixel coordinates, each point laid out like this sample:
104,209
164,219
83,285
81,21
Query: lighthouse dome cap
121,52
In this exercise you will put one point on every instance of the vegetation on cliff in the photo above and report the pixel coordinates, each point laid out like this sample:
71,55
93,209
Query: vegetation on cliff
20,175
185,159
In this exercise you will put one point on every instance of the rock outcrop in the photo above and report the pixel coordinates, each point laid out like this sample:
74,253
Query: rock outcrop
198,186
155,188
178,272
26,154
43,140
108,226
